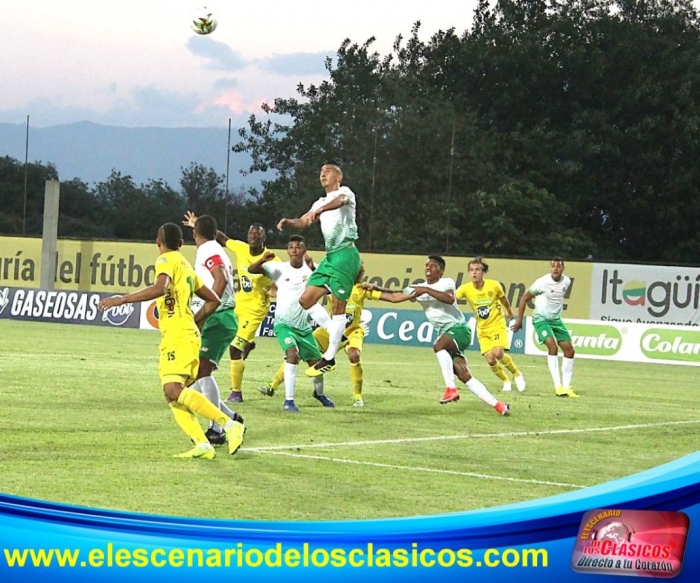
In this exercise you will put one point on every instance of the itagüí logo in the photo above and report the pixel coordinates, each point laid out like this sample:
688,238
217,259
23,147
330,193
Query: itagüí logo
657,297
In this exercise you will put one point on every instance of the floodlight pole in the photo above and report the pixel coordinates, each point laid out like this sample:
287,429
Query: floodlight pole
26,160
228,163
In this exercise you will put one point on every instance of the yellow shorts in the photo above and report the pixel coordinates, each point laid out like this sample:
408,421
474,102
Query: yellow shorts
179,357
355,338
493,338
248,324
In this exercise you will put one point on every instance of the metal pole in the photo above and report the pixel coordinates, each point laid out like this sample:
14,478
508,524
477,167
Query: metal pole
228,162
26,159
449,185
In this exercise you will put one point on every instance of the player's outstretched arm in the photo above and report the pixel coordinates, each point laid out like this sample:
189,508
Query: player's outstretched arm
521,310
388,295
446,297
151,292
297,224
257,267
211,302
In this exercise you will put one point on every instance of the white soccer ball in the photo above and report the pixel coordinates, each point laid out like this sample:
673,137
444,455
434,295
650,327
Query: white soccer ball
203,21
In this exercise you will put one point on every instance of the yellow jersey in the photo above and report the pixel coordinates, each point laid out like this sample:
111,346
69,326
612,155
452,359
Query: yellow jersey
253,289
175,317
485,303
353,310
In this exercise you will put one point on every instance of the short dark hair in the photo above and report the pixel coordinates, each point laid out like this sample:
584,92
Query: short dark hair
333,163
171,235
480,261
557,260
206,227
439,260
297,239
257,226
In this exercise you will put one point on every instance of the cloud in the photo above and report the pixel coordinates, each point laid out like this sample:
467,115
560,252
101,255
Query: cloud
296,63
226,83
220,55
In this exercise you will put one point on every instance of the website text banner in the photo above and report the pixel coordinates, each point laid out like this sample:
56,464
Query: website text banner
65,307
124,267
630,342
398,327
645,294
525,542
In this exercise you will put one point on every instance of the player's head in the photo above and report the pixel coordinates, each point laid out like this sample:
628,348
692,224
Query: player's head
331,176
169,237
477,268
256,236
296,249
434,268
556,268
205,228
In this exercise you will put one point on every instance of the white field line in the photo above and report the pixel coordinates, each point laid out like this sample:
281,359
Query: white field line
403,440
419,469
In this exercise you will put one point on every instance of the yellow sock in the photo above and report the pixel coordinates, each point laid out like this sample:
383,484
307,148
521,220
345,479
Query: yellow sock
499,372
279,377
508,362
198,403
188,423
356,378
237,368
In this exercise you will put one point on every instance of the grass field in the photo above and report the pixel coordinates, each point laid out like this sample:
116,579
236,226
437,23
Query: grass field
83,421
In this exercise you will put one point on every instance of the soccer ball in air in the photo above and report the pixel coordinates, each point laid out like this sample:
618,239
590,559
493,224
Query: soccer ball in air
203,21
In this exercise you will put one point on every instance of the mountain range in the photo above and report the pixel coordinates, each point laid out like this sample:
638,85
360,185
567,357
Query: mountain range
90,151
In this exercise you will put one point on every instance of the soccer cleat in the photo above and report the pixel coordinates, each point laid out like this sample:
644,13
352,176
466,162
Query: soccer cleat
202,451
451,395
321,367
325,401
357,401
235,437
290,407
235,397
507,386
520,382
562,392
215,437
502,408
267,390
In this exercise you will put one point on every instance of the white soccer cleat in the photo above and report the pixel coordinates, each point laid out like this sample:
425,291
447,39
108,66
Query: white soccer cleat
520,382
507,386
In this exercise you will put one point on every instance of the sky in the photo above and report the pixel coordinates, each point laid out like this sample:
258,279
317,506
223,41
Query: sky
138,63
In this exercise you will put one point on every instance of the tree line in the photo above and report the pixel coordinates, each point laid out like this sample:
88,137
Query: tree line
549,127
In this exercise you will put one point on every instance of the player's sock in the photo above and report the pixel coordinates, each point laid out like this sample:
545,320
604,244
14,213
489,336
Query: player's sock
509,363
477,387
318,385
319,315
335,333
237,369
279,377
499,372
211,391
188,423
200,404
553,364
567,371
446,367
356,377
290,380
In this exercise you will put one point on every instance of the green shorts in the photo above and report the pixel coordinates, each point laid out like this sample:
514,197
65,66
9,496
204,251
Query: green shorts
217,333
338,272
462,336
547,328
303,339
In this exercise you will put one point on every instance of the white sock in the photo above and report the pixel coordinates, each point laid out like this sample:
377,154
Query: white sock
290,380
446,367
567,371
319,315
335,334
553,364
210,390
482,392
318,385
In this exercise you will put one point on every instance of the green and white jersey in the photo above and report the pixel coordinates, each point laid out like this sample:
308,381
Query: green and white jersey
441,315
549,297
290,282
338,226
209,256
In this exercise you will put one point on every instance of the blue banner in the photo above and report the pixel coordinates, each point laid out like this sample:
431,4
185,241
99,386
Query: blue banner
531,541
